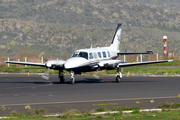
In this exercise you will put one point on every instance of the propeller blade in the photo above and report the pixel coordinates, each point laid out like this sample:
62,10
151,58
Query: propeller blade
46,74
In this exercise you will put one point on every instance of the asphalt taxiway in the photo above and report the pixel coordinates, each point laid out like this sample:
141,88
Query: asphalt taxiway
87,93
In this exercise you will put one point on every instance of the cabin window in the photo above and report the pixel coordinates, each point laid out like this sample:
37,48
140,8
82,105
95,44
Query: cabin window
95,55
90,56
108,54
99,55
104,54
83,54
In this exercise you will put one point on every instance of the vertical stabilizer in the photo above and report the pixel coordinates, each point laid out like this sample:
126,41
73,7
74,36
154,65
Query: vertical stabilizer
116,39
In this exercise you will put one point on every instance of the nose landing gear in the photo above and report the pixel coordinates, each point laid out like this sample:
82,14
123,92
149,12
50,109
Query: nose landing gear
72,78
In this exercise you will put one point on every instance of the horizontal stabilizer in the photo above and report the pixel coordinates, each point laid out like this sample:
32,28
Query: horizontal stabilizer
134,53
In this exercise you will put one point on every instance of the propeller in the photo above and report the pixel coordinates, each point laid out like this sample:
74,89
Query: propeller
45,75
95,75
99,68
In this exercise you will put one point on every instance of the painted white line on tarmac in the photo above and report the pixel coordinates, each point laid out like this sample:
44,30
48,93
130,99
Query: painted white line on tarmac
89,101
33,95
16,95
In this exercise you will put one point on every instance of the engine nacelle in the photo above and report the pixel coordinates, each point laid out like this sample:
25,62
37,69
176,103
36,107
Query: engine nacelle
55,64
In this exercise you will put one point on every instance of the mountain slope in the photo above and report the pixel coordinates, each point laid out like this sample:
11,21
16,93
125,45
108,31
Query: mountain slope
64,26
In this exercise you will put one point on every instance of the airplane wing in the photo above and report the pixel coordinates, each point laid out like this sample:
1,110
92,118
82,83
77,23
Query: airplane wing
132,53
141,63
53,64
118,63
27,63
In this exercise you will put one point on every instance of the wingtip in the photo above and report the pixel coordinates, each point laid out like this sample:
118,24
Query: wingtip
150,52
170,60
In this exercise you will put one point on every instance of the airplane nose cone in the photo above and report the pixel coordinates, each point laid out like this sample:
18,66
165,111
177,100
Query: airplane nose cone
75,62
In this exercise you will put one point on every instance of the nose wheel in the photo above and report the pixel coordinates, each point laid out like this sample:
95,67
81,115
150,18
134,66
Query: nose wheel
72,78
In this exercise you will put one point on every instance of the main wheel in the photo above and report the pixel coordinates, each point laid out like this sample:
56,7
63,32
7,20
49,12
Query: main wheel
118,79
62,79
72,80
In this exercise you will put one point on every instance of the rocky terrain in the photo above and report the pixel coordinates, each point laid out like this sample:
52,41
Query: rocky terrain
58,27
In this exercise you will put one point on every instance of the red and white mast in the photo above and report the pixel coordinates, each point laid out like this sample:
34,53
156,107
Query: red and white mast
165,46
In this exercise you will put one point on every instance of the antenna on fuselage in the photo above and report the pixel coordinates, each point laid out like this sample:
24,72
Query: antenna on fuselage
91,45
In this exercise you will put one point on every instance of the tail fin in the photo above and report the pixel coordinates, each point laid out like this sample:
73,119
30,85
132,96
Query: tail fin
116,39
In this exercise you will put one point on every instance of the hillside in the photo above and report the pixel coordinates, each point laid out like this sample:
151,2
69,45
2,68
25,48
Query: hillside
172,5
29,27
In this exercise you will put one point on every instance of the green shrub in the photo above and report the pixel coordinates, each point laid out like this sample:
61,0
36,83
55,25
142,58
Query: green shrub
79,11
3,108
176,105
37,111
129,108
169,105
51,72
99,117
116,114
70,114
165,105
101,109
114,109
15,114
95,13
135,111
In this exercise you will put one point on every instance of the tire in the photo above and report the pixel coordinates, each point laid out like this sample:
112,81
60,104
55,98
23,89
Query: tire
72,80
118,79
62,79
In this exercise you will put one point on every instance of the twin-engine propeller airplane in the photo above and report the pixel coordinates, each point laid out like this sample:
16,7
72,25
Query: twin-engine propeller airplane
93,59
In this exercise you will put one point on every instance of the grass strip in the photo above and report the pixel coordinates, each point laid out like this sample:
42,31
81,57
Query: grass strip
77,115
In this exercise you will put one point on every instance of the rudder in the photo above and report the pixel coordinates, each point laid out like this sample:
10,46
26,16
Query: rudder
117,37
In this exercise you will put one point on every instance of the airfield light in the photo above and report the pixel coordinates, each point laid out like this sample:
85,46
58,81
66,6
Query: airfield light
165,46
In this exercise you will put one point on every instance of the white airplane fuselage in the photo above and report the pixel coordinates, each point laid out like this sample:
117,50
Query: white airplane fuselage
85,60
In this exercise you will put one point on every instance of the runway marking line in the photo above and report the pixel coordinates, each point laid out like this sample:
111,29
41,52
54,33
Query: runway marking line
105,104
50,83
88,101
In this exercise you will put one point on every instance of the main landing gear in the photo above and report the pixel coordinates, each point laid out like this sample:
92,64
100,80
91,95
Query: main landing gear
61,77
72,79
119,75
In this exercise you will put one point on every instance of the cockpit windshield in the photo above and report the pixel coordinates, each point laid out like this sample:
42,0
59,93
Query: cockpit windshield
80,54
83,54
75,54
